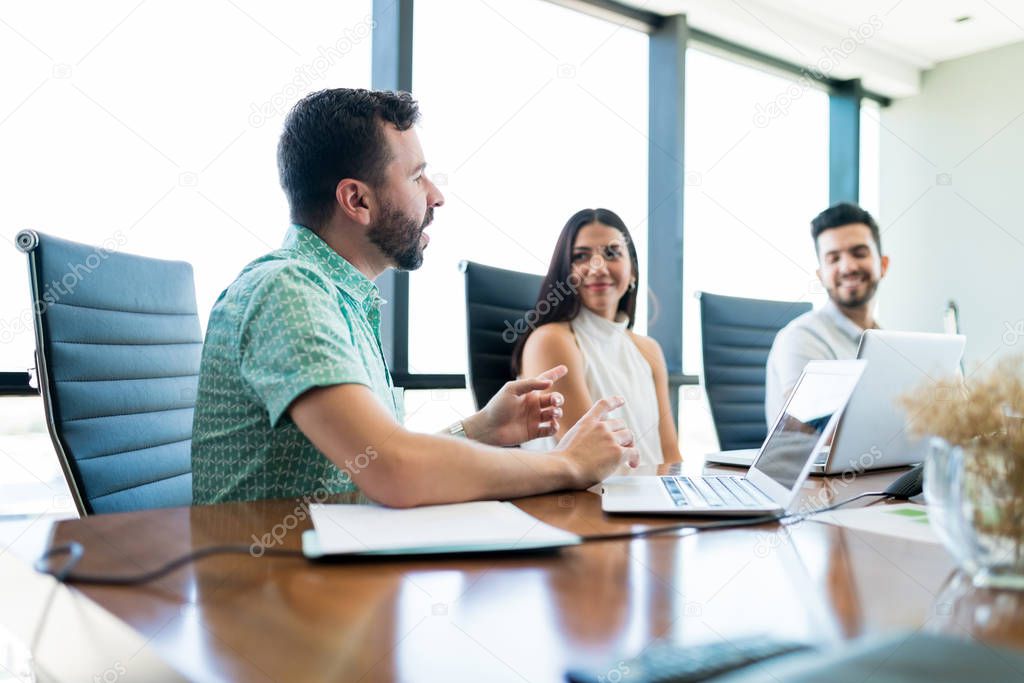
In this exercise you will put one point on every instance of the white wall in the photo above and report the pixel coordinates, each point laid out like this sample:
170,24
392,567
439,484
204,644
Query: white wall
952,202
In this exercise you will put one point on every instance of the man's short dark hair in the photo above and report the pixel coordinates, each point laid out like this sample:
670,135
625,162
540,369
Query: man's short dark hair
844,213
335,134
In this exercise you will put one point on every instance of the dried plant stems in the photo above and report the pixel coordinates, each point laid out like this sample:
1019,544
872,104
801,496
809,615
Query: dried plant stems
983,415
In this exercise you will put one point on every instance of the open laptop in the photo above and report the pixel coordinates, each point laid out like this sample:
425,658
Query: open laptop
782,464
872,433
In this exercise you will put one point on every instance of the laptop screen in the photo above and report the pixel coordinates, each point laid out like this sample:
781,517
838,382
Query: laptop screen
811,404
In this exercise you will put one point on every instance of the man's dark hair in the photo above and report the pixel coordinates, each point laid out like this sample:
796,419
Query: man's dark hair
335,134
844,213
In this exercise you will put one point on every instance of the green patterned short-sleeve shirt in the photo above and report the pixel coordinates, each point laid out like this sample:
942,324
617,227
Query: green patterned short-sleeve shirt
298,318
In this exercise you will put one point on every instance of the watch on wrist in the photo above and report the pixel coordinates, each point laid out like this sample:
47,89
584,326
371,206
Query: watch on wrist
456,429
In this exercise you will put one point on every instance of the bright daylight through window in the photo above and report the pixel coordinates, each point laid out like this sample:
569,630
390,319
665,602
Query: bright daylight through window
519,145
753,184
188,175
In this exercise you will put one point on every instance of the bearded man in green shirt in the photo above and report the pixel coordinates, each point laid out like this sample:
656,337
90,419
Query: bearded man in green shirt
295,397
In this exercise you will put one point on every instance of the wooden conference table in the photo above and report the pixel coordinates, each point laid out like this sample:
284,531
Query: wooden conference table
514,618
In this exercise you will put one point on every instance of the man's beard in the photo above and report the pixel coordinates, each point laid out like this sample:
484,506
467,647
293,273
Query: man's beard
855,301
398,236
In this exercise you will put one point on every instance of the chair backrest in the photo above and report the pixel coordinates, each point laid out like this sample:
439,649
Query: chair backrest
736,336
497,301
118,345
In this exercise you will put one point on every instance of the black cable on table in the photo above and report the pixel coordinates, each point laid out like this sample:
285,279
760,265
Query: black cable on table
76,552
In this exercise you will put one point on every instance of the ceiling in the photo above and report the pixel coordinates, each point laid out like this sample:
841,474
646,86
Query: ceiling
899,39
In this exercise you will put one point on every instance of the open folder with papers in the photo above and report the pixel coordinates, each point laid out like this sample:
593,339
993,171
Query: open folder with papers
487,526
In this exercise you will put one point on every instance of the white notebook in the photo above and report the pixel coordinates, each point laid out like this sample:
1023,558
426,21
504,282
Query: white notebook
487,526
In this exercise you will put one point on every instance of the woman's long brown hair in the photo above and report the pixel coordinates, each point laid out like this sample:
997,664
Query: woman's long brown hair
558,299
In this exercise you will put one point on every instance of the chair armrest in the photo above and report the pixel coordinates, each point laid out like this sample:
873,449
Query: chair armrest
16,384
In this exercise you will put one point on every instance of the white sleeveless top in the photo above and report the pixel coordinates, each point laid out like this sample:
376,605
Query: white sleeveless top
614,366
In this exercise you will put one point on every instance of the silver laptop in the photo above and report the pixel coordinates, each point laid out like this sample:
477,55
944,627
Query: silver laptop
872,433
782,464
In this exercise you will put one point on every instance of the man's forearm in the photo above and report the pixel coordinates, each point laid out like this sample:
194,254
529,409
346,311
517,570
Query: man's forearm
418,469
421,469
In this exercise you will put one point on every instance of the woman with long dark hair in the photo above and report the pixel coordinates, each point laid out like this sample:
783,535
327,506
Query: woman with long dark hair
584,319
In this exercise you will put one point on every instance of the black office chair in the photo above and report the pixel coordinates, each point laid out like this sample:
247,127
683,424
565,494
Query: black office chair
497,301
118,346
736,336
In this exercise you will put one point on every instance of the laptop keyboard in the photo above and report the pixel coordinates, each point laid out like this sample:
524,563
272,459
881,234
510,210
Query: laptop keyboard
733,492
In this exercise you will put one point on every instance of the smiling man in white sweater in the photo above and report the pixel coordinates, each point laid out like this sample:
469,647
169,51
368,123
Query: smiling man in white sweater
850,266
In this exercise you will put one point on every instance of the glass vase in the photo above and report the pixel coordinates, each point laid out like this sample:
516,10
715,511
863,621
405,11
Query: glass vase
975,497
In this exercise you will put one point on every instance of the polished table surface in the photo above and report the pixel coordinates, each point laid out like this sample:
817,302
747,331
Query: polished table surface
525,618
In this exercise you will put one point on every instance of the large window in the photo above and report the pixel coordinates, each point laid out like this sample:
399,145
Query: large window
755,177
756,174
152,127
530,112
